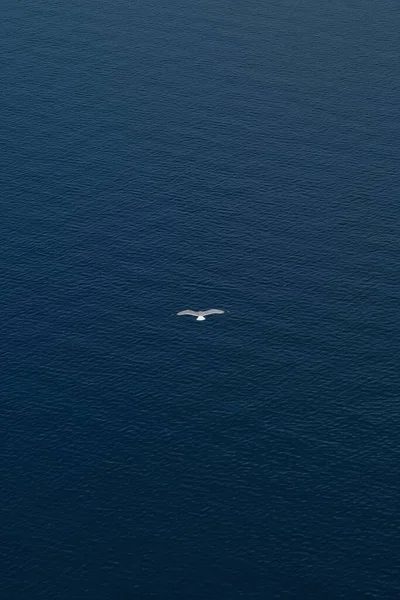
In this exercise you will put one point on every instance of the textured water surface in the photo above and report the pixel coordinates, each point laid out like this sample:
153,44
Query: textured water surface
166,155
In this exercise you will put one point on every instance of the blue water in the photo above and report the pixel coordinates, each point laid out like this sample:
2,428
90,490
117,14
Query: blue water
162,155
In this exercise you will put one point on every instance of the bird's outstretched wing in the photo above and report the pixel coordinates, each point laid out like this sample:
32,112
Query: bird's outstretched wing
212,311
188,312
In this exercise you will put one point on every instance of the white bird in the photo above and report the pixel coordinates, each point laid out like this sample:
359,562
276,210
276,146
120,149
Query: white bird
201,314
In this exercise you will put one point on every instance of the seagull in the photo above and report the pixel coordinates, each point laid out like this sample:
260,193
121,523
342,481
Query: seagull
201,314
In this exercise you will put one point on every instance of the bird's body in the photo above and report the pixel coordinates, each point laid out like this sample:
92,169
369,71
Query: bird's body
201,314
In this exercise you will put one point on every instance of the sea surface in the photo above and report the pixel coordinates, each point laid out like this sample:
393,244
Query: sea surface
159,155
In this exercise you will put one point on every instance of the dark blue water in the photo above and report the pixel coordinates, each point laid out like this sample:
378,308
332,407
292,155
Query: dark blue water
162,155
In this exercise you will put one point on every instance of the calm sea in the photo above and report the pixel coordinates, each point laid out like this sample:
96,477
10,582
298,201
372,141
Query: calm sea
159,155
